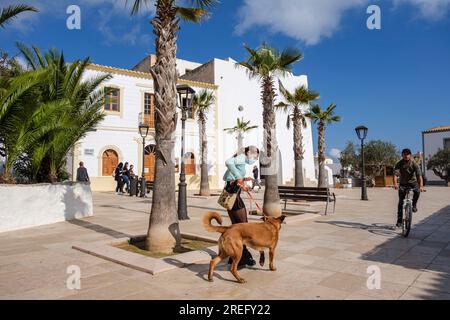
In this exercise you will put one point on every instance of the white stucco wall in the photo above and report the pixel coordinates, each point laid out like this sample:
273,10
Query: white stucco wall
25,206
432,142
236,89
119,131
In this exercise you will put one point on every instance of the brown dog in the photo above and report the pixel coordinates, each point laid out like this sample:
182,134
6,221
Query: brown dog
256,235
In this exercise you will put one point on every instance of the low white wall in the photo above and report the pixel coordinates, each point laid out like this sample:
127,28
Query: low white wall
24,206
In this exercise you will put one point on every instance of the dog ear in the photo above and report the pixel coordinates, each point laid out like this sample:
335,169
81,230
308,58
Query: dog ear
264,218
282,217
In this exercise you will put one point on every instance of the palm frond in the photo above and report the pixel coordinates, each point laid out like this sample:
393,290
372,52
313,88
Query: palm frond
11,12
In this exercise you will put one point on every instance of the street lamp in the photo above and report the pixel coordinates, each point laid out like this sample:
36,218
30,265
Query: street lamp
143,131
361,131
186,94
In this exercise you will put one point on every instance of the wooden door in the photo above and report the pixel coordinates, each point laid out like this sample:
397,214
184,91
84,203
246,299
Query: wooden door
149,164
110,160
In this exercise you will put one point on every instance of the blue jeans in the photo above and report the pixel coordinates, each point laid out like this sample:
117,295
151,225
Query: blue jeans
126,180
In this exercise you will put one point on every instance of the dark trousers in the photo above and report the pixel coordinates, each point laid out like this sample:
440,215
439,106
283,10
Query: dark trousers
119,187
238,214
402,196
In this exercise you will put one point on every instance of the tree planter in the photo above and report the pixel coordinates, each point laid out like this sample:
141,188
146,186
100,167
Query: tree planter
24,206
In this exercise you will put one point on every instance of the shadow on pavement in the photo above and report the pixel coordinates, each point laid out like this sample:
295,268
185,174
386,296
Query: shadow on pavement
426,249
98,228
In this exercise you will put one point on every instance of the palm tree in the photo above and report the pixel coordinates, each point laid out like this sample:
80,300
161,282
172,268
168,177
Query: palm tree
240,129
163,232
201,105
322,118
9,13
295,100
56,113
265,64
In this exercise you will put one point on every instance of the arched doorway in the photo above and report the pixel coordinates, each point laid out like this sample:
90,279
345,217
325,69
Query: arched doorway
149,162
110,159
189,163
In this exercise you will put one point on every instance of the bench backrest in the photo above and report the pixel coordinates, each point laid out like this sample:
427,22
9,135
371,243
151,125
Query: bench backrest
293,192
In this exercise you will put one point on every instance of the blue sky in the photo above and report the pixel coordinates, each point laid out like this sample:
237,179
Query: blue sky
394,80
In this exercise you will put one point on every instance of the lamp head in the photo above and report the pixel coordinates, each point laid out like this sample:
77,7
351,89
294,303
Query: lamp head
361,131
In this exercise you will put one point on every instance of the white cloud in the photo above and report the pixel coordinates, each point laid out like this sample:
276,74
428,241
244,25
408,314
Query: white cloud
306,20
429,9
335,153
311,21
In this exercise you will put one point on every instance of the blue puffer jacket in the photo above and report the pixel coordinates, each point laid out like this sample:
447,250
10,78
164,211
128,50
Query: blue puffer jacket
235,168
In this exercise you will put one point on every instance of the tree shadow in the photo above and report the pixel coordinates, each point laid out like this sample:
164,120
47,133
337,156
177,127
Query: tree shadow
381,229
99,229
427,249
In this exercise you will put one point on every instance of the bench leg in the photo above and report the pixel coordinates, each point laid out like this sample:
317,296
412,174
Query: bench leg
326,208
285,204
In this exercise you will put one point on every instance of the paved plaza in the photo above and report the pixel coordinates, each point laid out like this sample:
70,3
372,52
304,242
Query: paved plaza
324,258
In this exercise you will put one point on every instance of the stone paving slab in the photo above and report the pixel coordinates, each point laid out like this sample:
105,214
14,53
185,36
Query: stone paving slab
326,257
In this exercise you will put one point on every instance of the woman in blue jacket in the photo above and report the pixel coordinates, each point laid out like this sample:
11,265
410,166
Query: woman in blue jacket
235,183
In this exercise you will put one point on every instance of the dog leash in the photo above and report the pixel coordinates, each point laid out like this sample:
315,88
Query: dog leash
251,197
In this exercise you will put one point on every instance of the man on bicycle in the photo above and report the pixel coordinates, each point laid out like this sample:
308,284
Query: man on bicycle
410,177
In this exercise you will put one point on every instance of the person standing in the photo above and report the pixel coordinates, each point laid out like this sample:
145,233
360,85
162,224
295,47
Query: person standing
126,176
235,183
255,178
118,178
82,174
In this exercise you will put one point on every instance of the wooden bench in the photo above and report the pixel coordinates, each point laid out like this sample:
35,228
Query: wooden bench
308,194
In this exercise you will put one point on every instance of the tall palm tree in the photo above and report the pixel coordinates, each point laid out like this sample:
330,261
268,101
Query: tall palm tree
240,129
9,13
322,118
294,102
163,232
265,64
201,105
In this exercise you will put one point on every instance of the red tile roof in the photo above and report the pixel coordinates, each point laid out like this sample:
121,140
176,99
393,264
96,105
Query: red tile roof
438,129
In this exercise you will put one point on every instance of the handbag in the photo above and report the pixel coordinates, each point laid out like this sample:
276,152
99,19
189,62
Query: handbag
227,199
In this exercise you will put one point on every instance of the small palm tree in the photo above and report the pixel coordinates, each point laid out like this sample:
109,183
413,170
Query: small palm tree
52,115
295,101
9,13
163,232
322,118
201,105
240,129
265,64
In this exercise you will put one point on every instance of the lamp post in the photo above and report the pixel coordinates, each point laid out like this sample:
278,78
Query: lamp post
361,131
186,94
143,131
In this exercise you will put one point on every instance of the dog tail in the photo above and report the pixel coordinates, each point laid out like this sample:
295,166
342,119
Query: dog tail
207,218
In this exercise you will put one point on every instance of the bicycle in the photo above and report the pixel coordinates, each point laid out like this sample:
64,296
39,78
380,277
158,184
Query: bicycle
407,210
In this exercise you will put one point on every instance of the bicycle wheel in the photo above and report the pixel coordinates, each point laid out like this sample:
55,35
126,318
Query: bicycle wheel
407,219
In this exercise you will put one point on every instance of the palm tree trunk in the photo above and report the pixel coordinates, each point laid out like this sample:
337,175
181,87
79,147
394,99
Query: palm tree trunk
298,152
321,160
204,183
163,232
269,155
240,139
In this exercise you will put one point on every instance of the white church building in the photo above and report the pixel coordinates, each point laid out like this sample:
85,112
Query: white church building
131,95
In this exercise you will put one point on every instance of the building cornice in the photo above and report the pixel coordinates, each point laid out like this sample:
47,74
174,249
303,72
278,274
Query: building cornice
145,75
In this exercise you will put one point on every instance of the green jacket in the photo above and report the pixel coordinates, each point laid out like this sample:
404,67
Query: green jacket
408,171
